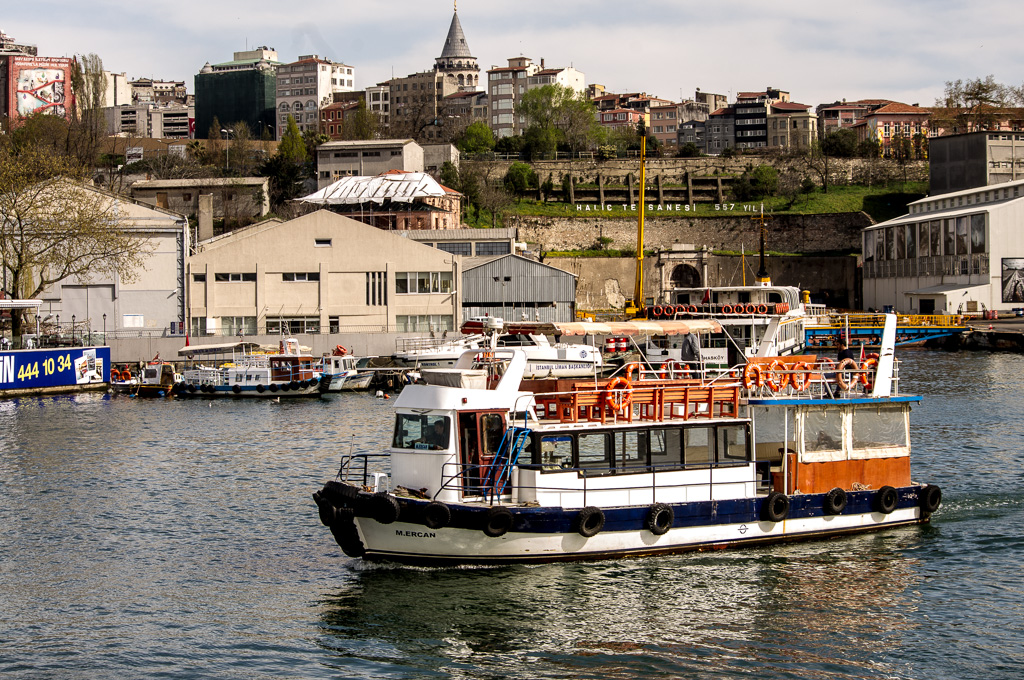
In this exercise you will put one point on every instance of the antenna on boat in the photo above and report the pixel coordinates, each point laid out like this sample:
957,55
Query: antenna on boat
762,273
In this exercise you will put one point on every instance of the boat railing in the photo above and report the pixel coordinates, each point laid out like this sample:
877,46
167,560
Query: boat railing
620,400
793,378
355,467
419,344
473,482
840,320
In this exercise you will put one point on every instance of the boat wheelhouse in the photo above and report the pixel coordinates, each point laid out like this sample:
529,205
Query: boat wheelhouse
481,471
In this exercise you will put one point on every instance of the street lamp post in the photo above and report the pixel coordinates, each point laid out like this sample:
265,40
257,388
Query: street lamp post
104,328
72,329
227,148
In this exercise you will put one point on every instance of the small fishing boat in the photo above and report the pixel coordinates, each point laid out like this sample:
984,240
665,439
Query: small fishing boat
155,379
341,372
480,470
248,370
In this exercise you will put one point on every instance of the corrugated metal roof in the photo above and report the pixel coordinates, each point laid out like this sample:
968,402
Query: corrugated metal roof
400,188
498,233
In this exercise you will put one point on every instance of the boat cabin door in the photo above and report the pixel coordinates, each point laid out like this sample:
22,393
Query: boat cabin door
480,434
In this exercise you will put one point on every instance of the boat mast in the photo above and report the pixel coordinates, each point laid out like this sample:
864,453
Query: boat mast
762,272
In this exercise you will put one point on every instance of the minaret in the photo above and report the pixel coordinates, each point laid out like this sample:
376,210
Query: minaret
456,62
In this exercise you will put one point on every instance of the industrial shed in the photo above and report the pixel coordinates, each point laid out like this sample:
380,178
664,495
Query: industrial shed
516,288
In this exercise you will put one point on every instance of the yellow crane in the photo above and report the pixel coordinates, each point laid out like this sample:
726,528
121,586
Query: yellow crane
636,305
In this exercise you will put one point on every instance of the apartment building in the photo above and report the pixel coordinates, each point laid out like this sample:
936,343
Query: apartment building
378,100
148,90
720,131
241,90
506,86
751,116
886,124
172,121
791,126
306,86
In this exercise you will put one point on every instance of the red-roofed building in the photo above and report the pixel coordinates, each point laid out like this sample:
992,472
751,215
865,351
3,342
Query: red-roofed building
893,121
616,118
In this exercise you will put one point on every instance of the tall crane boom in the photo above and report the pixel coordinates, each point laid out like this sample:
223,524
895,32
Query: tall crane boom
634,306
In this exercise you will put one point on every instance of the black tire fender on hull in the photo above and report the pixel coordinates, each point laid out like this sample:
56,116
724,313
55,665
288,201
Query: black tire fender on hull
437,515
835,501
497,521
659,519
886,500
930,498
776,507
589,521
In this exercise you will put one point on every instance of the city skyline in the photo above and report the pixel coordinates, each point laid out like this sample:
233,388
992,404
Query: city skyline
903,51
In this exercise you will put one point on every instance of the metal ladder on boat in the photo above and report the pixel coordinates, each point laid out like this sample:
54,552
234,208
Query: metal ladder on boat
499,472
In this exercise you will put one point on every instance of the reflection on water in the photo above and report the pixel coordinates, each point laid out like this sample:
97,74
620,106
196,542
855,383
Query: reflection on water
165,538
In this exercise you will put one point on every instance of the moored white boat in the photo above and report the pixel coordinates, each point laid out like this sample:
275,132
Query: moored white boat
341,374
482,471
250,372
544,359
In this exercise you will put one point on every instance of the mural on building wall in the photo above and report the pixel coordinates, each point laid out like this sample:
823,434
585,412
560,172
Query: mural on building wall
39,85
1013,279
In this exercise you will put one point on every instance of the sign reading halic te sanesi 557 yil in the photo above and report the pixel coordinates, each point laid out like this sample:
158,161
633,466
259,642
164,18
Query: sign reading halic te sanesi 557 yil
32,369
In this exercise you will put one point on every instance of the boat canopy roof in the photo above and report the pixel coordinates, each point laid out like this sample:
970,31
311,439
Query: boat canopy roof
637,327
221,348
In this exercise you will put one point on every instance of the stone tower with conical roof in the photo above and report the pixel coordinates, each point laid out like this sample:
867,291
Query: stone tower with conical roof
456,62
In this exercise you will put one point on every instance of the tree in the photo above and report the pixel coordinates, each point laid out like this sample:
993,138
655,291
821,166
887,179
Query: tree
755,183
240,146
286,179
476,138
450,175
88,123
292,149
688,150
53,228
363,124
558,115
519,178
972,104
841,143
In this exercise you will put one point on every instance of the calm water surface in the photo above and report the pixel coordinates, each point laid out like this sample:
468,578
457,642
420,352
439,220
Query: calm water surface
178,539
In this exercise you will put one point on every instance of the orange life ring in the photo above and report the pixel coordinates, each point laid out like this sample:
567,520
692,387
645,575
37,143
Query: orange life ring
658,310
801,377
750,309
865,367
339,351
668,370
618,393
115,375
845,365
630,367
126,375
753,376
762,309
775,378
726,309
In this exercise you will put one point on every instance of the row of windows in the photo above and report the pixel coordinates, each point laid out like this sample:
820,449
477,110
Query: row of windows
983,196
285,106
376,289
423,282
953,236
634,450
233,325
423,323
251,276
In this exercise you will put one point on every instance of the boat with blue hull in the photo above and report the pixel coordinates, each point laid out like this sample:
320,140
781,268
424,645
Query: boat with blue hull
482,471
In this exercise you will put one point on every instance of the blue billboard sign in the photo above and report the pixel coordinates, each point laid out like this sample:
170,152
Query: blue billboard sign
64,367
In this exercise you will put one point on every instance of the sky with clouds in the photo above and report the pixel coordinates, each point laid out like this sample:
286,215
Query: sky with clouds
818,51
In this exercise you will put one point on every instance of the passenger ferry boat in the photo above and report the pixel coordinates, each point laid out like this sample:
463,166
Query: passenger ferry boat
250,372
544,359
760,320
485,471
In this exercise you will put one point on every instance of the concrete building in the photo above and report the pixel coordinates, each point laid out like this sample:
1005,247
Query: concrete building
505,88
839,115
378,100
975,159
436,155
147,305
366,158
751,112
232,197
462,109
162,121
665,123
791,126
720,131
305,87
693,132
320,273
117,90
150,90
615,118
244,89
712,101
958,252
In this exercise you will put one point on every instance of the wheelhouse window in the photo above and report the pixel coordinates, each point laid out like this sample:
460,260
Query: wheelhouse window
875,428
823,431
423,432
556,452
